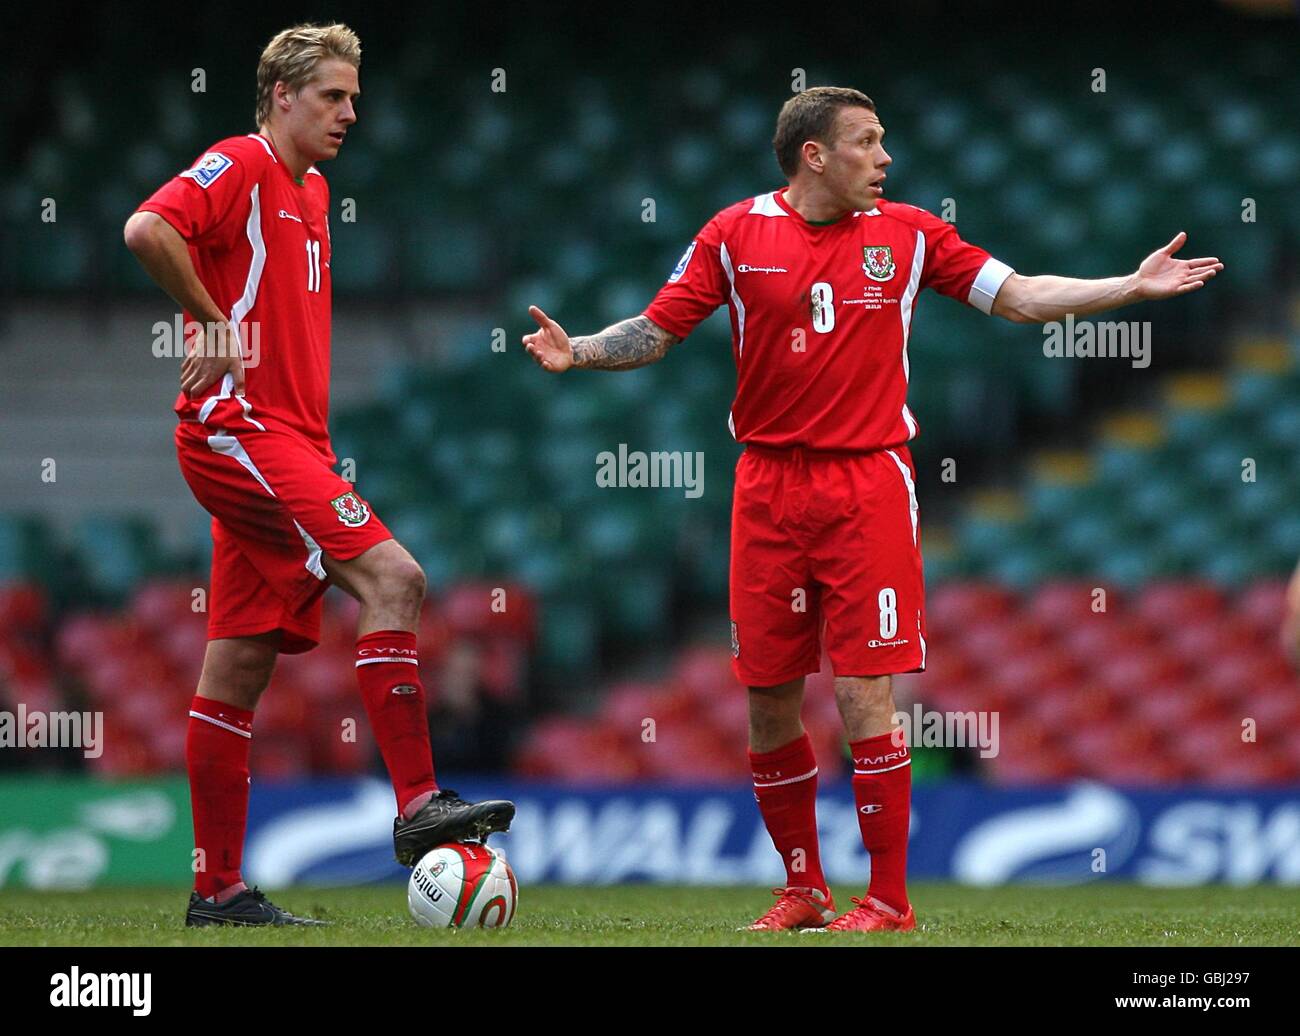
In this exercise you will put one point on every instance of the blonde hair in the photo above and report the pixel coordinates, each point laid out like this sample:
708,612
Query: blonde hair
292,56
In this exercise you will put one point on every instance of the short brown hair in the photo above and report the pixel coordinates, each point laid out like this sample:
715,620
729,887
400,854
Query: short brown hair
810,115
292,56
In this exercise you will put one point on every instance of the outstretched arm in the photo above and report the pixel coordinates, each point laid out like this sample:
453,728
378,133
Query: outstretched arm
1036,300
629,343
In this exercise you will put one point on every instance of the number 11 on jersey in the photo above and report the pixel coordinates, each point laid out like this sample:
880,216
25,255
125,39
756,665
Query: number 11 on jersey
313,265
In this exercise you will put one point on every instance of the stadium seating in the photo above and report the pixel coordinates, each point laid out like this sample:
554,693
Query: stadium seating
483,467
139,666
1141,693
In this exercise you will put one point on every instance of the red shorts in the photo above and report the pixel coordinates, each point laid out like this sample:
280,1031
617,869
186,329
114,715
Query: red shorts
825,538
276,507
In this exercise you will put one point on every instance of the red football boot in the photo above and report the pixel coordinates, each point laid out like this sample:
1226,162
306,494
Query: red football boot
795,908
871,915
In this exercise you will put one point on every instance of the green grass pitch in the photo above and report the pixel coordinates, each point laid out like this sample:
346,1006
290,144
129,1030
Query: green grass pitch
947,915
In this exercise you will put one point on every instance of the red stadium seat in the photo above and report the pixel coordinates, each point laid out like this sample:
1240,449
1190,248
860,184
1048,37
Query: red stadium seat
183,644
324,675
1263,604
470,610
1207,746
1027,629
1076,706
1236,675
283,711
1129,672
1201,639
958,606
1172,604
1249,769
504,666
728,715
628,705
24,609
958,696
23,658
946,663
1111,745
161,604
1104,635
279,757
330,753
125,755
822,711
566,748
687,752
1031,767
39,694
82,640
1274,708
1023,672
1170,707
1288,750
167,744
987,644
705,671
1068,605
1137,771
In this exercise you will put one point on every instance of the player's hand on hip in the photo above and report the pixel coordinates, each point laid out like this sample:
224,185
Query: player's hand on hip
548,345
211,356
1161,276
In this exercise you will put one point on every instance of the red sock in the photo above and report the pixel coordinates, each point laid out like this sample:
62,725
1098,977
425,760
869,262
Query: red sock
882,788
785,786
388,669
216,756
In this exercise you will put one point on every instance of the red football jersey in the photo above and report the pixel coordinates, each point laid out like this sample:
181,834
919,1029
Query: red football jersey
820,314
260,243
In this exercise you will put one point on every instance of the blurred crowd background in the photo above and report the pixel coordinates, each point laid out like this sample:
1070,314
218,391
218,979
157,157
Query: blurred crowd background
493,169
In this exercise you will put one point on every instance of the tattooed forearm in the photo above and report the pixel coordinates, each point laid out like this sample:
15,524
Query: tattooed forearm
628,344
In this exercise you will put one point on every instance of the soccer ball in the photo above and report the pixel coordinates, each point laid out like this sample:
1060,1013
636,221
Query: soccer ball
461,885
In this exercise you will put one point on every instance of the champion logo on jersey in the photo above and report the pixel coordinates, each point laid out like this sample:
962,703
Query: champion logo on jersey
351,509
871,807
289,215
879,262
208,168
746,268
